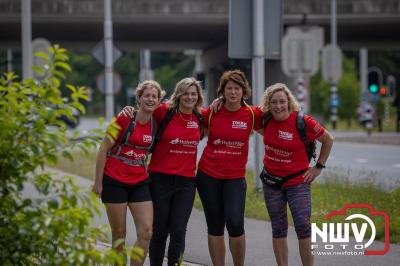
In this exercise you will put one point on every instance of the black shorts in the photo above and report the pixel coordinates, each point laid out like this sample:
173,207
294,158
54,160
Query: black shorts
118,192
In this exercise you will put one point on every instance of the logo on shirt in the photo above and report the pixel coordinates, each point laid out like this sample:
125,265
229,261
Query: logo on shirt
239,124
147,138
285,135
133,154
192,124
228,143
190,143
317,129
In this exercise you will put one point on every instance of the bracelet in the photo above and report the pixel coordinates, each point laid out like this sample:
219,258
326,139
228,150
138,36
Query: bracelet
319,165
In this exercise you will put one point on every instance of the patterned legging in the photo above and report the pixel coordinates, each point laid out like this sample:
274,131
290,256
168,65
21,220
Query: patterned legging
299,199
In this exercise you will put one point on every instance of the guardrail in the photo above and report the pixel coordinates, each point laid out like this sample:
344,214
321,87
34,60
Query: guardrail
94,8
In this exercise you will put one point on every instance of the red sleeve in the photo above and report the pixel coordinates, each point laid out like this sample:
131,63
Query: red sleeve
205,112
313,129
258,115
160,112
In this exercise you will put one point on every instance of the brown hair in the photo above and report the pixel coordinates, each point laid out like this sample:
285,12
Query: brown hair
239,78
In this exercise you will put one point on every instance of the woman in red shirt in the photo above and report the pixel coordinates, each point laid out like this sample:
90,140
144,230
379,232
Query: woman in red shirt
221,171
286,159
172,170
121,177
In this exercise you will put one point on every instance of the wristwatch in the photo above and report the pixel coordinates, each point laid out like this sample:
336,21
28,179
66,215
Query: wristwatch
319,165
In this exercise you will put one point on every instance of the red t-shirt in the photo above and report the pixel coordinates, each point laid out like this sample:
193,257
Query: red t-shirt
225,155
176,151
117,169
285,152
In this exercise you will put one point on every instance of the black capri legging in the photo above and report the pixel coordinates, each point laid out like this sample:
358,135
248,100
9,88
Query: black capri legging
223,202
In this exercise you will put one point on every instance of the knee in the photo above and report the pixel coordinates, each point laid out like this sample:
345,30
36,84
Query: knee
159,234
178,233
303,230
145,233
235,227
279,229
119,233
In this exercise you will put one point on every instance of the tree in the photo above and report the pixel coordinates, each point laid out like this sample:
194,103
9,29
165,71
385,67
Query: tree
348,92
57,227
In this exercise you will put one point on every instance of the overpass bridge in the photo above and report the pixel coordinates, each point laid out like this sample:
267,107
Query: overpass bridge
182,24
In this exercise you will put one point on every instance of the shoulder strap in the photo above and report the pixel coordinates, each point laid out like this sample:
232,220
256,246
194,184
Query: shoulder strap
252,115
301,126
168,116
267,116
200,120
129,130
125,137
209,122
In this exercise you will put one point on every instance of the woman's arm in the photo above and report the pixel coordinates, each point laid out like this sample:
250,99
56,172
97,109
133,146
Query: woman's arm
326,140
100,164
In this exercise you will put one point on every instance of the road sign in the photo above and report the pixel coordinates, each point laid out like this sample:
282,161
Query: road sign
99,53
332,64
334,101
101,82
300,54
40,45
240,43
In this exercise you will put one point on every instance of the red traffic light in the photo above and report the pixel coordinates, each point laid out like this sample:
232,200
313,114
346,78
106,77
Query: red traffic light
382,91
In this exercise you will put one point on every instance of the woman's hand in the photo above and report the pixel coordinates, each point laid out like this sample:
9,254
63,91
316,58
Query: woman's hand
127,111
216,104
97,188
311,174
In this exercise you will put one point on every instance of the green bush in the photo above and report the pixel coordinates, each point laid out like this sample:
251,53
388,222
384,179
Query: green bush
55,228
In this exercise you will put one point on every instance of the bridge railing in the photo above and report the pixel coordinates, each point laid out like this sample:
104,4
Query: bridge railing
94,8
120,7
343,6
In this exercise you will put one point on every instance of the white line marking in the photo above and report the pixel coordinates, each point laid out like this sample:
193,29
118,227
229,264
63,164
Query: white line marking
361,160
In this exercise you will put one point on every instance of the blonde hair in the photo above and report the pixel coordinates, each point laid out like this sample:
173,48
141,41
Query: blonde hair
271,90
181,87
239,78
148,84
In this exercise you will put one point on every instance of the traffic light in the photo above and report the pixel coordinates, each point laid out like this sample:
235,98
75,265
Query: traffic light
374,81
382,91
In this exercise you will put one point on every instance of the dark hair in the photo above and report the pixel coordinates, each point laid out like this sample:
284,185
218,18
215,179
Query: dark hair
239,78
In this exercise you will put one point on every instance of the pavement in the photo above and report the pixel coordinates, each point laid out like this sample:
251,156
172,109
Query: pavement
258,241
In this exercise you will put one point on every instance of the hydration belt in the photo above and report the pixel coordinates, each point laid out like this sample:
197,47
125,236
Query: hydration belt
277,181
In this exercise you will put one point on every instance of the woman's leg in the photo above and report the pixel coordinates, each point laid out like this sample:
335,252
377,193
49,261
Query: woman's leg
275,200
234,196
161,192
281,252
116,213
210,191
299,199
181,208
142,213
